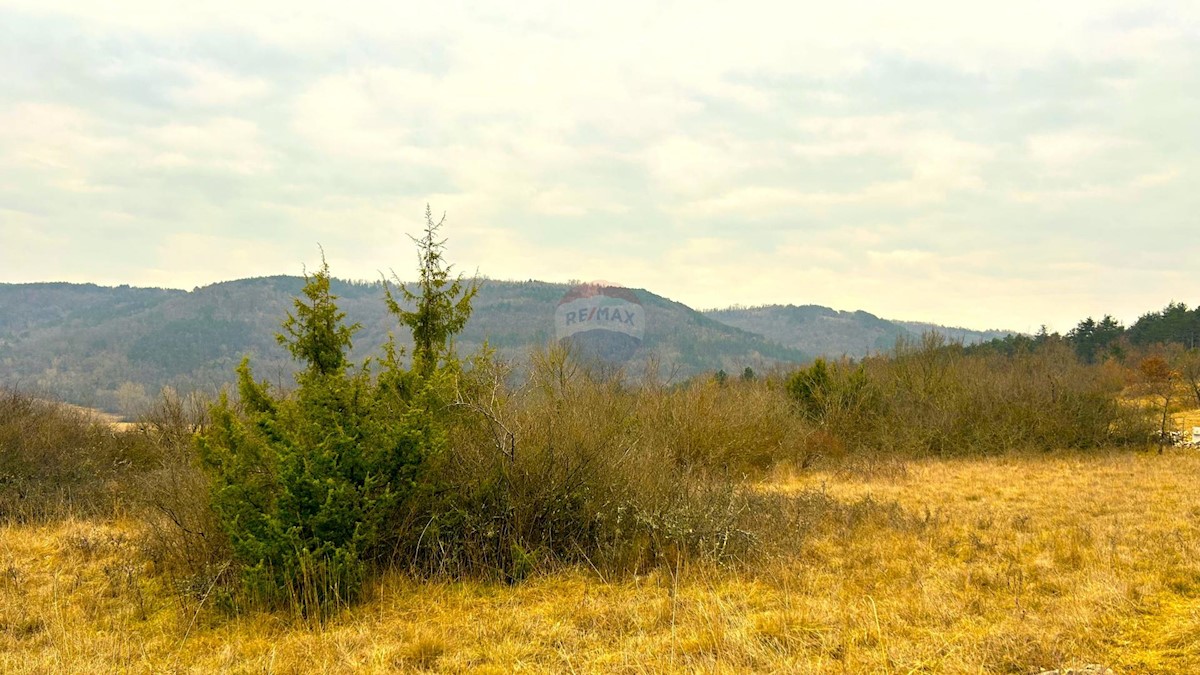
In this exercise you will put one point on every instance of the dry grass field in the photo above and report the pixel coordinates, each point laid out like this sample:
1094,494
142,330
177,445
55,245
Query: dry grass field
1010,564
1184,421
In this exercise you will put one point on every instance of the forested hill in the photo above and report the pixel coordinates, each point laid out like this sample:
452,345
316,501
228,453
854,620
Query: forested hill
115,347
814,329
112,348
967,336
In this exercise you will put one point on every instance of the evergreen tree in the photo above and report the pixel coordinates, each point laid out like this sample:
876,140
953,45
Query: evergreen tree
441,304
308,486
1092,340
1175,323
315,334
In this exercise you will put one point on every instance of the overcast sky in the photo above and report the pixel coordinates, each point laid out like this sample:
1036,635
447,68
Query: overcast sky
992,164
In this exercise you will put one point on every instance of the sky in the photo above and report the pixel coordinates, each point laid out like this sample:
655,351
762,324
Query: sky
990,165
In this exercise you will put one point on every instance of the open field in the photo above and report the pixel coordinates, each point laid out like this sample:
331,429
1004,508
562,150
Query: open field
1008,564
1184,421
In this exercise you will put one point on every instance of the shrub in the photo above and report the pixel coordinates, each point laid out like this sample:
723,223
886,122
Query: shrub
182,535
307,485
740,429
55,459
314,488
929,397
576,465
837,397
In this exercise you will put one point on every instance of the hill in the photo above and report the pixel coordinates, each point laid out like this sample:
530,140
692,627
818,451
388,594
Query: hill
967,336
814,329
113,347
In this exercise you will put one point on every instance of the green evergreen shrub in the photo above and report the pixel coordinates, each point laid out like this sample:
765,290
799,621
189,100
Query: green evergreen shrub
308,485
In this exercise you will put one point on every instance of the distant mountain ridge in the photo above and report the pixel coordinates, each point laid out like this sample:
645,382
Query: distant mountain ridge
814,329
967,336
114,347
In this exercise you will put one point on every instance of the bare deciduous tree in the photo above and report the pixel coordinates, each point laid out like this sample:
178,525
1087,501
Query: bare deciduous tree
1160,382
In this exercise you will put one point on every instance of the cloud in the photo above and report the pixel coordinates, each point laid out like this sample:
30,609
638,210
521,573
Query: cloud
902,158
1131,189
200,258
366,115
1066,149
209,87
222,144
53,137
688,167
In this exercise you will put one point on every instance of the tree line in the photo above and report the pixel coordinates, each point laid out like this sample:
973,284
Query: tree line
1175,328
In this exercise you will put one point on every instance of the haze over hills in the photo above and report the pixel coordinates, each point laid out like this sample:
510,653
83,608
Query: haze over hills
967,336
115,347
814,329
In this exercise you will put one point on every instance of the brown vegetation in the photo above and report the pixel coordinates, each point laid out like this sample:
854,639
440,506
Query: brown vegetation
1006,564
935,511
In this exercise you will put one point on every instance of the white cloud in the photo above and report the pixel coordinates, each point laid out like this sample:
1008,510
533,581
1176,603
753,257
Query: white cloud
902,257
188,259
686,40
1157,178
775,202
713,176
222,143
690,166
29,245
56,146
1097,192
883,145
1066,149
571,202
366,115
50,136
210,87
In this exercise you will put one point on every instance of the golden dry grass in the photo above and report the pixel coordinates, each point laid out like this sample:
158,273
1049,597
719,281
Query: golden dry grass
975,565
1183,416
1186,419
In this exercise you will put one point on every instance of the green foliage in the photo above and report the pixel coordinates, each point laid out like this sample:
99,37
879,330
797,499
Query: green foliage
441,305
1014,344
1094,340
834,394
809,387
1174,324
193,341
308,486
316,335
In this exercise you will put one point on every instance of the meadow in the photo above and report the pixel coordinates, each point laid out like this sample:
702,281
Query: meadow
1008,564
930,510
